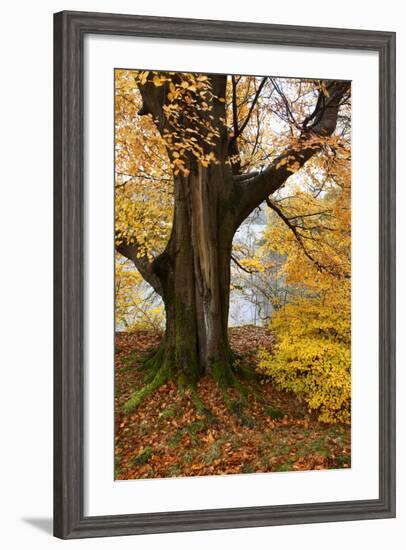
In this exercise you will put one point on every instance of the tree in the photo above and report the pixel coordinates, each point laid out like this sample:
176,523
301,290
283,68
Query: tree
210,137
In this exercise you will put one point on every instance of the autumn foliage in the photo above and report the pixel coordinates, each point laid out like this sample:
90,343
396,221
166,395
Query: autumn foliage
313,326
231,187
313,358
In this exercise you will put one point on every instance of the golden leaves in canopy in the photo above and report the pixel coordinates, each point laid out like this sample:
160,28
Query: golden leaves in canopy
143,175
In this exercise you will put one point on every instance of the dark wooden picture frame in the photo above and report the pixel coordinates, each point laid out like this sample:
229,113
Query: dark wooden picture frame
69,31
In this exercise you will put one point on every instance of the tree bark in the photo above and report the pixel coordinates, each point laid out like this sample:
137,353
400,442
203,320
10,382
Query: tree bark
195,275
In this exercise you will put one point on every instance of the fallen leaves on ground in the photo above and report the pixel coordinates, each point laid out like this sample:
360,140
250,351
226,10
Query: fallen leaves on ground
166,437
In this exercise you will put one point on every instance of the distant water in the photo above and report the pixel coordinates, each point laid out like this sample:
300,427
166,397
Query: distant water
243,310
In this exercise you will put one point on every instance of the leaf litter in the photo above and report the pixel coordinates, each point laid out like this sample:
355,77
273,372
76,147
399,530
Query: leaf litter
167,437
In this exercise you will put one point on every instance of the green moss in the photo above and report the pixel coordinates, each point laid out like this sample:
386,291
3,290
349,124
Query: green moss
167,413
226,379
237,407
184,351
117,467
192,430
131,359
222,374
201,407
153,357
273,412
286,466
143,457
182,382
246,373
174,471
162,376
343,460
248,469
176,439
187,457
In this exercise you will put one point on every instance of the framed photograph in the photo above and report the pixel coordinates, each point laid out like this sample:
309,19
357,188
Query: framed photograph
224,275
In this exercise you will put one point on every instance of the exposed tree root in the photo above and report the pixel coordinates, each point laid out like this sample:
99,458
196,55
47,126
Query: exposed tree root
159,373
229,383
163,365
201,408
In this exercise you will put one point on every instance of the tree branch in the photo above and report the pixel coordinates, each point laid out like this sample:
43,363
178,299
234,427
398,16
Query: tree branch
294,230
310,214
289,113
251,192
141,262
299,238
238,264
254,101
234,106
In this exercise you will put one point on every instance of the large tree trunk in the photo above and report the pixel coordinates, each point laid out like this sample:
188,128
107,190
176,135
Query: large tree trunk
195,275
194,282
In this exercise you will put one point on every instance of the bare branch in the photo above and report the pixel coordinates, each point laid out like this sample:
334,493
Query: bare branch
289,113
295,231
234,105
254,101
251,192
309,214
238,264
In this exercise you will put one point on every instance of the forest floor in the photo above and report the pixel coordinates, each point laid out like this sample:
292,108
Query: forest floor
166,437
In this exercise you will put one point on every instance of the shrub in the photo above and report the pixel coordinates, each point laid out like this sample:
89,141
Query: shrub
312,357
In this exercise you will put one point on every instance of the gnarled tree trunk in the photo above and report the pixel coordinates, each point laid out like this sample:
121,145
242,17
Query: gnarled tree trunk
195,276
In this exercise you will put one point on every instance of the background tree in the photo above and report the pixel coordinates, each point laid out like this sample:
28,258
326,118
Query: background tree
195,155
